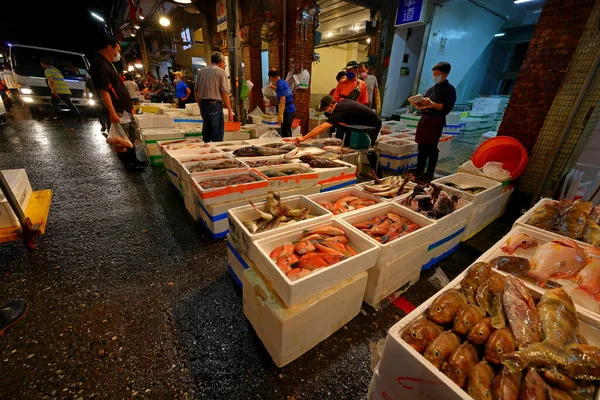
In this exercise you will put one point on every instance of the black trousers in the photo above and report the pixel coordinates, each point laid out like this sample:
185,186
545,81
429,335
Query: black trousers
286,125
427,152
66,98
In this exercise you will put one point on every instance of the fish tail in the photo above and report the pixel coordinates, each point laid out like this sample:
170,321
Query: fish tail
515,362
506,249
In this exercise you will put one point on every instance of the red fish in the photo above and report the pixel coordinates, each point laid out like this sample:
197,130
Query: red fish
341,239
326,230
298,273
519,241
311,263
285,249
285,261
304,247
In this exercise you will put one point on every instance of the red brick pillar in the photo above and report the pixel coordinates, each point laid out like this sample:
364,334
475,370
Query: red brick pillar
550,51
254,63
299,55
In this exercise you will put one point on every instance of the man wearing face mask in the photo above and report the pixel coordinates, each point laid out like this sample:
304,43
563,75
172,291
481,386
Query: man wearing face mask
115,97
372,86
438,102
351,87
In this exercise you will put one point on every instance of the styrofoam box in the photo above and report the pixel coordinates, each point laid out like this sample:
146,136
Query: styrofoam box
188,165
292,292
327,187
346,171
444,146
457,217
395,248
397,163
247,240
228,143
583,301
398,274
218,229
19,184
289,332
237,263
493,188
417,375
305,177
193,108
154,134
239,135
409,186
392,126
379,390
483,215
251,160
522,221
176,165
404,146
154,121
334,195
228,193
194,144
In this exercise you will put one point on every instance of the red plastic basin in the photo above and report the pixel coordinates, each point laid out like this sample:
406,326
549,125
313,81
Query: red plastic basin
505,149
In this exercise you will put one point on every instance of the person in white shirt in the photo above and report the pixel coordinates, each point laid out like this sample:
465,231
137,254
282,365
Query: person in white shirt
372,87
132,88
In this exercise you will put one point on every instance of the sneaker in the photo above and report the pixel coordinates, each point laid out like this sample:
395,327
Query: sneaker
103,128
11,313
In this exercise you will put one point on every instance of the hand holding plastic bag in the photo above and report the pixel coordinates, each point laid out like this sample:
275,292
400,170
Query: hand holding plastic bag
117,136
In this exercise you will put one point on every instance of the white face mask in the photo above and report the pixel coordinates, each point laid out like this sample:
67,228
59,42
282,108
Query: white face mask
117,57
437,79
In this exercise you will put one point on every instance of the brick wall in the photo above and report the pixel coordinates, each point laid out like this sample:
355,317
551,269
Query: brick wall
555,38
254,64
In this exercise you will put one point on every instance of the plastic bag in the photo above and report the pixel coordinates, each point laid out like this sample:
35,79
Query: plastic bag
244,91
496,171
271,134
140,150
117,136
269,94
256,113
303,79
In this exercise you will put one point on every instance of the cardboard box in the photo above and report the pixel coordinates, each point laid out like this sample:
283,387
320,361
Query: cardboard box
19,184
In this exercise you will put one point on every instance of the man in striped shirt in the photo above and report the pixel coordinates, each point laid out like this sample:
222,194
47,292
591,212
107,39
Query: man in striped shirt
59,88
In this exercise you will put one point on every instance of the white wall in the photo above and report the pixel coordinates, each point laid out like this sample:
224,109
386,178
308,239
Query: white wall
333,60
468,31
399,87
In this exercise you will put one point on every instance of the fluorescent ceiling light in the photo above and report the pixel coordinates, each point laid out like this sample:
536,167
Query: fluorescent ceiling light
132,34
368,40
130,68
138,65
136,26
183,1
99,18
499,34
329,34
522,1
164,21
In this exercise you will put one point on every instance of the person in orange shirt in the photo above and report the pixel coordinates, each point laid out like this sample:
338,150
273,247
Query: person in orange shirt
351,88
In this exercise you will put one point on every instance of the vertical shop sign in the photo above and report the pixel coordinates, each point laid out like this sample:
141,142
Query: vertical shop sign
411,12
221,16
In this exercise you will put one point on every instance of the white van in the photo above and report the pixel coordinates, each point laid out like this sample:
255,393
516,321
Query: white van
31,81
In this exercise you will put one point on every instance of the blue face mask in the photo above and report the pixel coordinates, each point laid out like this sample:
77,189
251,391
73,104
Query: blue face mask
350,75
327,114
437,79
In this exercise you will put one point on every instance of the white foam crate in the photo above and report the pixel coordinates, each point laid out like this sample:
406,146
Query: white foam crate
444,146
334,195
187,165
493,188
246,240
483,215
392,126
21,187
336,185
237,263
379,390
522,221
228,143
154,121
417,375
408,186
293,292
228,193
444,244
345,172
193,108
397,163
399,274
195,144
305,177
289,332
583,302
395,248
155,134
397,146
239,135
176,165
459,216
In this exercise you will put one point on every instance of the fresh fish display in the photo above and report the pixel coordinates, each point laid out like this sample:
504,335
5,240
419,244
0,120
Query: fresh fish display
488,290
258,151
478,273
320,162
560,258
177,145
334,142
265,163
388,227
420,333
274,215
480,381
533,387
589,279
440,348
517,266
498,320
319,248
573,220
446,306
546,216
221,182
500,342
521,313
481,331
388,187
346,204
338,150
273,173
558,317
467,189
209,166
467,318
506,385
207,157
460,362
430,201
559,380
519,241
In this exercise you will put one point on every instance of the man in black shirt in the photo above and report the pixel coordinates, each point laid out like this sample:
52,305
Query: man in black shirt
115,97
438,102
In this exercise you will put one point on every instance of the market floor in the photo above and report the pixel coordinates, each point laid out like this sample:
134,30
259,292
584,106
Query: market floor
130,298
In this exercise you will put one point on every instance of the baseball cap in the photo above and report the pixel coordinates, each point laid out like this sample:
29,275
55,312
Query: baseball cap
352,64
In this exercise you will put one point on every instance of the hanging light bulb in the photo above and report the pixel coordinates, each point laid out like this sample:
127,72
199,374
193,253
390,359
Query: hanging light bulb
183,1
164,21
140,13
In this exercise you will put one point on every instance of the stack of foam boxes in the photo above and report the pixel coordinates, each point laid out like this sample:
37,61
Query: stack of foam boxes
19,184
336,178
486,205
410,120
397,155
453,125
292,317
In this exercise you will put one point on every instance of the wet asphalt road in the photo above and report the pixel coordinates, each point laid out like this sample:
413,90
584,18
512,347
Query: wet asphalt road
129,298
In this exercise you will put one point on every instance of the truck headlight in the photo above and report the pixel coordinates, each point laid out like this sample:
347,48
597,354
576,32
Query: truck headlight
28,99
26,90
92,102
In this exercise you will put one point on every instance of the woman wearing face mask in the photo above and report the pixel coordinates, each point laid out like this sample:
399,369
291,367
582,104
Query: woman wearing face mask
438,102
351,88
182,91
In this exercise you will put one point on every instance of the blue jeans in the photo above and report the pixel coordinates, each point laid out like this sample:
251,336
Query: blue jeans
213,123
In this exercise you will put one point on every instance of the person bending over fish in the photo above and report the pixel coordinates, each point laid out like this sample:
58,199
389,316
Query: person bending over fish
346,116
